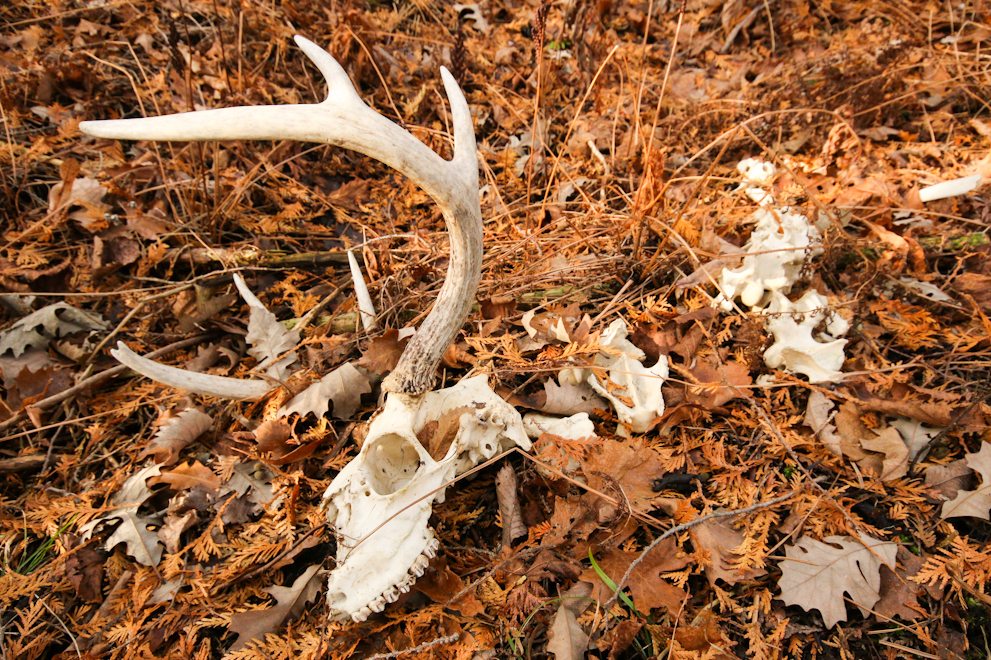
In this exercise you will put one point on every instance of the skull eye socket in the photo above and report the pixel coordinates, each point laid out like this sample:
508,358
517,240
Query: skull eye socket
391,463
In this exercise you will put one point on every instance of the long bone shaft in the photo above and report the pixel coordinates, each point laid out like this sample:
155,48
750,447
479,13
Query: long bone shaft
344,120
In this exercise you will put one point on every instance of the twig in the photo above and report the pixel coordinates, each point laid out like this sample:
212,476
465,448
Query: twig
677,529
450,639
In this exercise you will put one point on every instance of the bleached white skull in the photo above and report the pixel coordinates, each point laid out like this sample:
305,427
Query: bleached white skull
380,503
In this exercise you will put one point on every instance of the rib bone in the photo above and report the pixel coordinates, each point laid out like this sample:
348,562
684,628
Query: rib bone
344,120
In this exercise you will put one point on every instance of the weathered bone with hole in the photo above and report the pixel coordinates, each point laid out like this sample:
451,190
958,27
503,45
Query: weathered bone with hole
380,503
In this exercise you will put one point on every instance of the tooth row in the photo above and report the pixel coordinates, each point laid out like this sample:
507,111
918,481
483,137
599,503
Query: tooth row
392,594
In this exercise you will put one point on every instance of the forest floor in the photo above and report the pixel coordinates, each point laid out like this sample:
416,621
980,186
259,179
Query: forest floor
757,514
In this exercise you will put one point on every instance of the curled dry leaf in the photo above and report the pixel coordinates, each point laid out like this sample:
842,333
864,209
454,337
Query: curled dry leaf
721,543
817,574
190,475
175,434
290,602
343,386
949,479
270,342
977,502
38,328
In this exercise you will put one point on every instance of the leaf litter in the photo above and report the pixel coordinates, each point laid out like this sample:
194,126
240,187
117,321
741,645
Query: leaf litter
607,206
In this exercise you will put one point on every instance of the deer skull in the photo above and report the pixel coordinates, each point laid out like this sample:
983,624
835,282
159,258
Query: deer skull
380,503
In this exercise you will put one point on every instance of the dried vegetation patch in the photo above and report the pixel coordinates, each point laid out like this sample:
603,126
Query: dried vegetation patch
757,516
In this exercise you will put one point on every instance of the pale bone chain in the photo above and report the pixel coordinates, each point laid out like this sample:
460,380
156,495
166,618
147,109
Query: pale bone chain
389,488
344,120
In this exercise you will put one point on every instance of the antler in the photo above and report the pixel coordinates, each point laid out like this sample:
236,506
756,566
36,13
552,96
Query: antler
344,120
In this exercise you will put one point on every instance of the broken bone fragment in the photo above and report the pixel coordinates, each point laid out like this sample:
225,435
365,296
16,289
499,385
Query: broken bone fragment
798,346
379,505
619,376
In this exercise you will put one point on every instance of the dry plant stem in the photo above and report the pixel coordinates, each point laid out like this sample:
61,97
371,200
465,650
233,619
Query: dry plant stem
450,639
677,529
97,379
344,120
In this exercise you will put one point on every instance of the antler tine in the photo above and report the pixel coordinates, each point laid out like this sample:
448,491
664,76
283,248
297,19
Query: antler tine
344,120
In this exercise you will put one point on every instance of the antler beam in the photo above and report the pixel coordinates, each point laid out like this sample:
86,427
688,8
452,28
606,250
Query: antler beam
344,120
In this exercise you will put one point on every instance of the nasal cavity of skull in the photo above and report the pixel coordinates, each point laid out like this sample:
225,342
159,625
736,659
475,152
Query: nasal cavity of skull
391,463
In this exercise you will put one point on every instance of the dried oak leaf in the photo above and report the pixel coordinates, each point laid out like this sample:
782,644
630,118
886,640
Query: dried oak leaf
899,592
188,476
270,342
255,624
949,479
977,502
721,543
647,587
383,353
132,529
819,417
717,383
40,327
630,465
440,584
175,434
816,574
344,386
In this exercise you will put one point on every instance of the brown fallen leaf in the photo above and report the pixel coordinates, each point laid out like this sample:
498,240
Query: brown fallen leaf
190,475
949,479
84,568
440,584
175,433
898,591
509,506
255,624
975,503
383,352
717,383
647,588
703,635
889,442
817,574
630,465
566,640
271,436
720,543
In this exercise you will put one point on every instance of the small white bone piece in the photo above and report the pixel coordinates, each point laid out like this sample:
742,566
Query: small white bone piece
366,309
633,389
795,348
575,427
951,188
380,503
